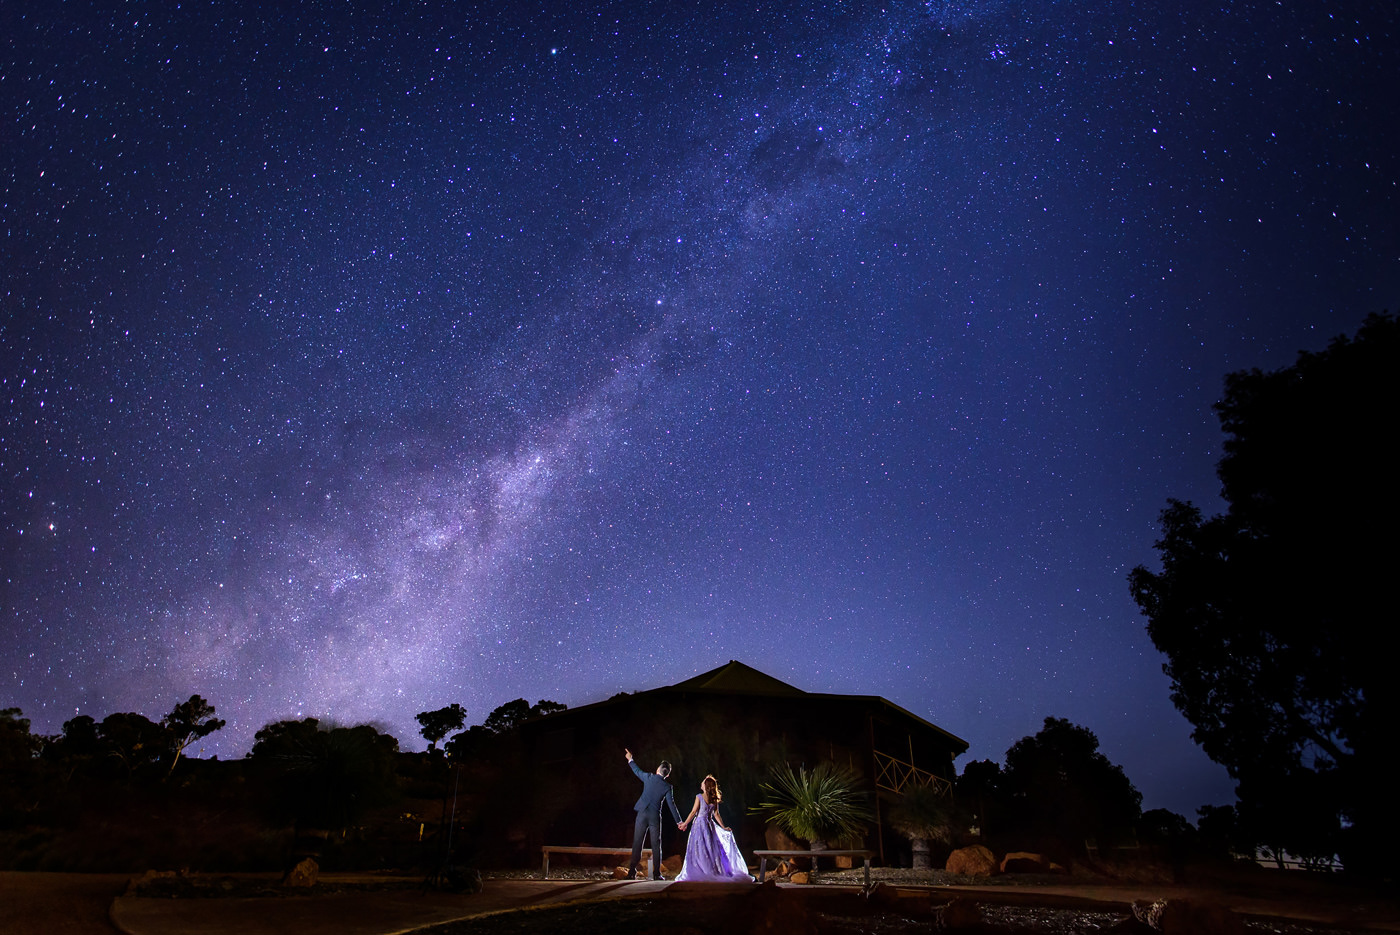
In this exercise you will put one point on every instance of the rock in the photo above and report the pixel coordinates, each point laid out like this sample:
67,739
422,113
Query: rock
672,865
1024,862
462,879
1184,917
974,861
844,863
957,915
776,839
619,873
303,874
151,881
800,876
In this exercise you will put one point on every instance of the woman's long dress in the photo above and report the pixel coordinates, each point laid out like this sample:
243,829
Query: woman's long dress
711,854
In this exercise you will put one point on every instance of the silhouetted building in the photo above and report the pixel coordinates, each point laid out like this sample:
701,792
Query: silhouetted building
735,722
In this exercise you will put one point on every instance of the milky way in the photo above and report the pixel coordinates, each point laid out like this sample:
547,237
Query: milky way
359,363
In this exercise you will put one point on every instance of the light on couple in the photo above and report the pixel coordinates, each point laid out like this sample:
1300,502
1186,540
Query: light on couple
710,854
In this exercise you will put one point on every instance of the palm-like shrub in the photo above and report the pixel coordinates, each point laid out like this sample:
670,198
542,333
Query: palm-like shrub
821,807
923,814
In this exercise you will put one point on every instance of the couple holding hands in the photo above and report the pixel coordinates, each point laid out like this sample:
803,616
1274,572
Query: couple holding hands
710,855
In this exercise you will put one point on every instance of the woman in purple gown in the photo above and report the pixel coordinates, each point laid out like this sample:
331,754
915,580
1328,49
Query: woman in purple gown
711,854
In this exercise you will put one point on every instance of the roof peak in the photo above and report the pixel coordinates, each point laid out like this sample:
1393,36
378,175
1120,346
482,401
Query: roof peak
735,677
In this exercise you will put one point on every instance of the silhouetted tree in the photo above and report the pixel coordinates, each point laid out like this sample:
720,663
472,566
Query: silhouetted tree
472,742
1062,788
187,722
978,789
19,764
480,739
436,725
17,744
1269,613
328,777
1218,831
136,741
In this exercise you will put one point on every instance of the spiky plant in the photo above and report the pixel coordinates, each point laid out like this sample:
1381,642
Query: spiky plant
923,814
821,807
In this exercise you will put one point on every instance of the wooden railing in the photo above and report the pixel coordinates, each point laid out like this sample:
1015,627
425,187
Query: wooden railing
895,775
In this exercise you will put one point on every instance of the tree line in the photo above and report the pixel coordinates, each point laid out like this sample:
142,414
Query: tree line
1274,617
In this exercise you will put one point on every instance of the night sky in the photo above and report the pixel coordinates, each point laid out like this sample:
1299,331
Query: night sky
357,363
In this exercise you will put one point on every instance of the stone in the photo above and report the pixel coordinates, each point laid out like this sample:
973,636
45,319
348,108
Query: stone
800,876
619,873
672,865
458,879
303,874
152,881
1185,917
974,861
957,915
1024,862
844,863
776,839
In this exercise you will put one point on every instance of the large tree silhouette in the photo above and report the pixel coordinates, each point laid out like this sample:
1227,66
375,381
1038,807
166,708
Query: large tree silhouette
1275,617
1063,791
435,725
187,722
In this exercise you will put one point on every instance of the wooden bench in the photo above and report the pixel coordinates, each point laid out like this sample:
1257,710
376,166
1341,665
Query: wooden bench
764,855
614,851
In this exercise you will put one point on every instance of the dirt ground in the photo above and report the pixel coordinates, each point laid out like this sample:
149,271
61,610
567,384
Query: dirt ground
589,902
58,903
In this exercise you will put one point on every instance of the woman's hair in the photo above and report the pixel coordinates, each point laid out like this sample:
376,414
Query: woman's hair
711,786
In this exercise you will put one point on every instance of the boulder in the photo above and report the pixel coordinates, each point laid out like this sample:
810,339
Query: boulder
619,873
303,874
844,863
974,861
1024,862
800,876
672,865
776,839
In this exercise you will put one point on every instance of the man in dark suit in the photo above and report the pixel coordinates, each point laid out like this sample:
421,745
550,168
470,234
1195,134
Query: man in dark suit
655,790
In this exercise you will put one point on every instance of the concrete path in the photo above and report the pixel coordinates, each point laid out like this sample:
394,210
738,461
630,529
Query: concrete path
58,903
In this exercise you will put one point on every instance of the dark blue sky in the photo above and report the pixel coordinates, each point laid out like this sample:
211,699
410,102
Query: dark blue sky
356,363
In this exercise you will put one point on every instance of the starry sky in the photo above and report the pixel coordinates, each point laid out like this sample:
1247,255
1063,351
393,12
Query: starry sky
360,361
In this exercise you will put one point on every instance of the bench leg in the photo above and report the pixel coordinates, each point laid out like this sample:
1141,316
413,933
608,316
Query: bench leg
762,867
545,871
867,874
